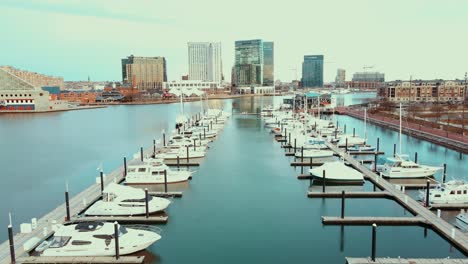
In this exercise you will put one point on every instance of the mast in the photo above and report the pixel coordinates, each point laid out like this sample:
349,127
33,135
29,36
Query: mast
365,124
400,130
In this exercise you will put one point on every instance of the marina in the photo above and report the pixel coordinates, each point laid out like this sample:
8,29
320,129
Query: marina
249,126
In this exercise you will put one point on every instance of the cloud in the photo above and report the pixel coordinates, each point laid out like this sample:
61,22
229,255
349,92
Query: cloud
143,11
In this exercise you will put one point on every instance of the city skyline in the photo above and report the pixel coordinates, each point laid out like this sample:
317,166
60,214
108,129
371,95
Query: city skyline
66,34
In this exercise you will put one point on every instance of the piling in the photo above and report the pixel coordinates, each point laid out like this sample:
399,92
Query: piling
101,174
204,133
354,132
289,139
141,154
12,244
116,237
302,154
295,142
342,204
125,166
445,173
416,157
146,203
188,155
194,144
178,162
311,162
346,146
374,241
323,181
428,183
394,150
378,144
164,139
67,205
154,147
199,137
165,181
344,129
375,162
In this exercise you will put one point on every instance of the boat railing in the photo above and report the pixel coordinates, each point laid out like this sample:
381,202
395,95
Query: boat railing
150,228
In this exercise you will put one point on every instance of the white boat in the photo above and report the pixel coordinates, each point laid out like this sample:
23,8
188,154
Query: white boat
96,239
314,153
152,172
401,166
125,200
462,221
359,148
451,192
337,172
172,154
352,140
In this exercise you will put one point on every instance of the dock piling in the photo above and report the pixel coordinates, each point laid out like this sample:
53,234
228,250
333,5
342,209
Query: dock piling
346,145
323,181
374,241
342,204
125,167
116,237
295,144
67,205
344,129
194,144
302,154
445,173
154,147
178,162
141,154
11,241
204,133
164,138
101,174
416,157
354,132
394,150
311,162
428,183
378,144
289,139
375,162
188,155
165,181
146,203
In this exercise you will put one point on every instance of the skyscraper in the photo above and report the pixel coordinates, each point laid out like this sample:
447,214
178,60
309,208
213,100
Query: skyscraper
249,62
340,78
269,64
312,71
144,72
204,60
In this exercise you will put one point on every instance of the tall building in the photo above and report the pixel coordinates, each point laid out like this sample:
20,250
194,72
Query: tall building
249,62
144,72
268,63
312,71
205,62
340,77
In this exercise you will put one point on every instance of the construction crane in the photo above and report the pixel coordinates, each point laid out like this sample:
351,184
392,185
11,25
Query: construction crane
368,67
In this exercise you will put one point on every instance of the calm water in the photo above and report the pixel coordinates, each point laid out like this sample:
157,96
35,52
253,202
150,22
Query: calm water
243,205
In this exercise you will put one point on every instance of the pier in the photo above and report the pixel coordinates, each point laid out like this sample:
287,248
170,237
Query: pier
83,259
405,261
450,233
381,221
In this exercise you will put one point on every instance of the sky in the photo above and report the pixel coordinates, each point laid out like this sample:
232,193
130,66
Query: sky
425,39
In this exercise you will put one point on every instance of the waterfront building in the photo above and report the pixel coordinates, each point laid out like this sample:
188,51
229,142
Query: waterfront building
249,63
424,91
312,71
18,95
208,87
204,59
144,73
368,77
340,78
81,97
269,63
34,78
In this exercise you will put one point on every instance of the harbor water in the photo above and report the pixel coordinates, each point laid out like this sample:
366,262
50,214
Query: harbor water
244,203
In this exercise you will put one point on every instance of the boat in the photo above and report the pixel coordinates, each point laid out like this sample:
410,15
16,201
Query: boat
125,200
361,148
401,166
151,171
337,172
181,153
451,192
97,239
314,153
462,221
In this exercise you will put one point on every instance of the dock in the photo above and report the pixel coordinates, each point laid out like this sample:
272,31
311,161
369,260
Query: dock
83,259
448,206
405,261
140,219
166,194
382,221
446,230
383,194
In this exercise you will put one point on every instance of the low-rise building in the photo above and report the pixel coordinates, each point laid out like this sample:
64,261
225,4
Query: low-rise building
208,87
425,91
34,78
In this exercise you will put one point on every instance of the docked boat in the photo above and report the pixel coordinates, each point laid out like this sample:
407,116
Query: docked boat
96,239
451,192
181,153
314,153
152,172
462,221
337,172
120,200
360,148
401,167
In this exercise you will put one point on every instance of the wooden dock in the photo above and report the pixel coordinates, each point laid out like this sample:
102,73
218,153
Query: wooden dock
446,230
382,221
83,259
383,194
405,261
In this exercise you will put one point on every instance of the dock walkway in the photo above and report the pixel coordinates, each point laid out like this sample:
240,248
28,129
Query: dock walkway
405,261
447,231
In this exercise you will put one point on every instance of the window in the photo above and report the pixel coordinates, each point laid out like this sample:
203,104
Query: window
141,169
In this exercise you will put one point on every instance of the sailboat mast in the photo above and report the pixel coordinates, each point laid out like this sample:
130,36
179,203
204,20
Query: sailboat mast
365,123
400,129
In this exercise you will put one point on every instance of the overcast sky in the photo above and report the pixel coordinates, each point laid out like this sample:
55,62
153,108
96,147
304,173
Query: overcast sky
76,38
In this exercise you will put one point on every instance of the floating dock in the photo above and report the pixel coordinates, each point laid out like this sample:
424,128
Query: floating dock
405,261
383,194
381,221
140,219
97,260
